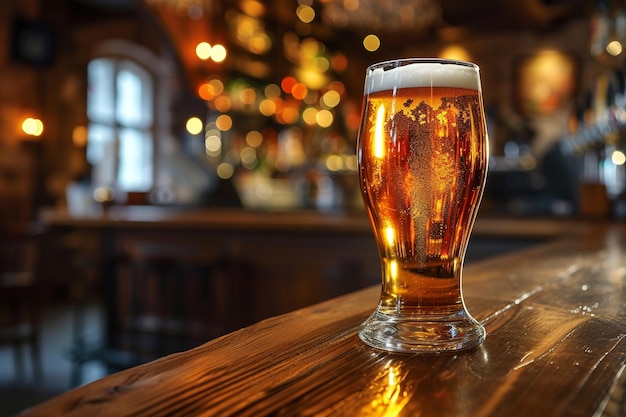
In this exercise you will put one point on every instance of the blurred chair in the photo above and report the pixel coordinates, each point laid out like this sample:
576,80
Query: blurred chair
21,293
162,298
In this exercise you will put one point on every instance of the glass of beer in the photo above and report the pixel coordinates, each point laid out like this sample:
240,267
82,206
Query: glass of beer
422,153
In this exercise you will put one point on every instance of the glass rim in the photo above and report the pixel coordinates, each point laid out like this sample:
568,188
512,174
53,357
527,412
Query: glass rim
398,62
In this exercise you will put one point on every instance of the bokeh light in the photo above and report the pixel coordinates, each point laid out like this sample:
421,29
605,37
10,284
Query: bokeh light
267,107
224,122
225,170
618,158
299,91
309,115
213,145
371,42
324,118
287,84
455,52
331,98
271,91
218,53
194,125
203,50
305,13
223,103
247,96
79,136
614,48
32,126
254,138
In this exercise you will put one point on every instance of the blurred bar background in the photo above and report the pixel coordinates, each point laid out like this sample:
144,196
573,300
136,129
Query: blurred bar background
172,170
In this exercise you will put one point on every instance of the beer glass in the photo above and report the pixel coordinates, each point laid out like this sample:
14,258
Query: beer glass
422,154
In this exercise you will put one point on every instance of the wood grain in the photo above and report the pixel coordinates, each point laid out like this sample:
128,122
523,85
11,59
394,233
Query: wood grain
556,327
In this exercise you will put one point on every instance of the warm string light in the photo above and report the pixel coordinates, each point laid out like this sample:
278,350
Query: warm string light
32,127
194,125
299,97
216,53
287,103
309,97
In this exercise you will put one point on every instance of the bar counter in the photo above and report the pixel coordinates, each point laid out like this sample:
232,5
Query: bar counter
555,316
292,259
354,222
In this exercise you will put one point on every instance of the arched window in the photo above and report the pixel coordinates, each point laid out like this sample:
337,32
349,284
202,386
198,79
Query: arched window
120,112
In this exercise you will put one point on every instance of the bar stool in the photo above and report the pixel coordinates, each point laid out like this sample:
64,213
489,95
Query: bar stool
21,294
160,299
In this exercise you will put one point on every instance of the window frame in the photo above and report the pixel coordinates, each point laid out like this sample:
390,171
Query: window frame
127,55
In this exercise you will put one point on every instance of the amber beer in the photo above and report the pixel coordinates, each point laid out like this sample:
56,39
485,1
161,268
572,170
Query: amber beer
422,152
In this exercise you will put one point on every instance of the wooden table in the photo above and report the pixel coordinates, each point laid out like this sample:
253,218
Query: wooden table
555,317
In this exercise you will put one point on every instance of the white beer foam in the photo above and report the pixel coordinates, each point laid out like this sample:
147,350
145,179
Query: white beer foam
423,74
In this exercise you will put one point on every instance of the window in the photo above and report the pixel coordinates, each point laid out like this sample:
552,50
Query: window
120,112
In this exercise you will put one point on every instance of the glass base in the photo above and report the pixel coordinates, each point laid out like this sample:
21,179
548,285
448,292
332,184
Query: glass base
430,334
